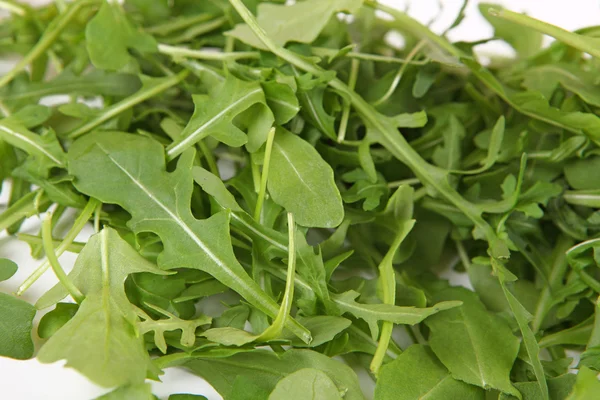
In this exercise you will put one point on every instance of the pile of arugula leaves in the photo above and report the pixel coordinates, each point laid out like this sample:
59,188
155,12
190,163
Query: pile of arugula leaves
278,190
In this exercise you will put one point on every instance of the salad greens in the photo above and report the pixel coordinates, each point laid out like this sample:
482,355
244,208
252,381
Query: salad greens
281,198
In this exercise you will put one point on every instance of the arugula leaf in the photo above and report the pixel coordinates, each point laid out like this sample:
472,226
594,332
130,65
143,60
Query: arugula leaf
302,182
216,117
109,36
188,242
7,269
100,341
309,18
457,339
373,313
418,363
15,338
308,380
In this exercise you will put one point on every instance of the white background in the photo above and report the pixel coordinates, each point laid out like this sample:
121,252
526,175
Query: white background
29,380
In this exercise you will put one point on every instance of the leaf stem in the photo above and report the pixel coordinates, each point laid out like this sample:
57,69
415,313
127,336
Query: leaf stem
12,8
387,283
265,175
175,51
396,81
136,98
346,111
48,38
53,260
78,225
274,331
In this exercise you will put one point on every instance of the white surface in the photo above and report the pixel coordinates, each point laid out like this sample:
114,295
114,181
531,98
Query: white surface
29,380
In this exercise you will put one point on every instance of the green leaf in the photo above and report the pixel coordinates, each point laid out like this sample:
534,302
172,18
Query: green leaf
101,340
94,83
110,36
465,339
535,105
215,187
187,397
56,319
396,380
373,313
307,383
302,182
214,116
130,170
7,269
578,176
266,369
282,100
323,328
132,392
525,41
171,323
300,22
587,385
45,149
559,388
15,330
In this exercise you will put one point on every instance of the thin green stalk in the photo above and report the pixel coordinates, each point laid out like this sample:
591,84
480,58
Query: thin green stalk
580,42
197,30
396,81
175,51
323,52
387,280
127,103
389,136
78,225
411,181
74,247
48,38
54,263
97,213
286,302
210,158
28,205
265,175
12,8
178,24
346,111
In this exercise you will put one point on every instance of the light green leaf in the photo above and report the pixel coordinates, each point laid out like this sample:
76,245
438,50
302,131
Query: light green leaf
373,313
525,41
466,340
215,187
171,323
587,385
306,384
281,100
7,269
133,392
266,369
302,182
129,170
15,330
396,380
110,35
300,22
44,148
101,341
214,115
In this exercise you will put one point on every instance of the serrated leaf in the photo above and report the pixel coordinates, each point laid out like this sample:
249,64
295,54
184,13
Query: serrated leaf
130,170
